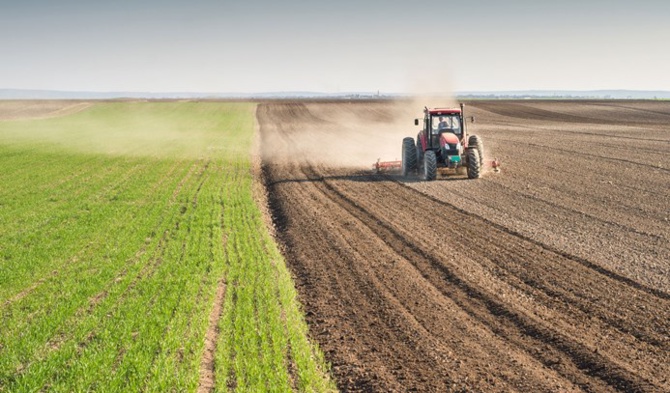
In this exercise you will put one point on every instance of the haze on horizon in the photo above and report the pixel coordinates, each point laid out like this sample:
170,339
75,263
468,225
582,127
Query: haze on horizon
302,45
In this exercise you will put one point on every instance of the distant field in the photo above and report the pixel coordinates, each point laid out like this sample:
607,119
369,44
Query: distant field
14,110
134,258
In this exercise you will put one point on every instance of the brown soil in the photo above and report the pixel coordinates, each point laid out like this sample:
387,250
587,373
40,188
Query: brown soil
550,276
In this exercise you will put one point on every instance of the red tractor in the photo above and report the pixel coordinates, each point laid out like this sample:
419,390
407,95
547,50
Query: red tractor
443,146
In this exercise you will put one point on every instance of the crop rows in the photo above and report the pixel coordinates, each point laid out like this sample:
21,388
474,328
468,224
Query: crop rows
118,228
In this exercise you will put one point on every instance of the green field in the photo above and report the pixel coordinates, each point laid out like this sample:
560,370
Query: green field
118,227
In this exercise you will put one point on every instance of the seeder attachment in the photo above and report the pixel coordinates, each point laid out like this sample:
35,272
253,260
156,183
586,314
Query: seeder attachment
386,166
495,165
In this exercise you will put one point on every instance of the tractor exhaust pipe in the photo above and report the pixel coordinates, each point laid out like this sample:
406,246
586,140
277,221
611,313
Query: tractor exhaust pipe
464,125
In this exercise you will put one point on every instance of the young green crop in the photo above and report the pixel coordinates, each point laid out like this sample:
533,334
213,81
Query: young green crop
117,226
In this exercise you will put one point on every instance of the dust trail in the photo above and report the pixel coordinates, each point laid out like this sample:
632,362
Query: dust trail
137,129
346,134
207,381
355,133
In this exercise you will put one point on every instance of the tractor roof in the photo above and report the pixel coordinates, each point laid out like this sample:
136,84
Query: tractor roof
444,111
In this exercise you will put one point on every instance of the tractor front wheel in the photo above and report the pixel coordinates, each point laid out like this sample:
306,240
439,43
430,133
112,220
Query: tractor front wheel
429,165
408,156
474,165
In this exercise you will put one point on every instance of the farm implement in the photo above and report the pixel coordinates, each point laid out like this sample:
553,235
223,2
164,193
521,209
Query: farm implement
443,147
386,166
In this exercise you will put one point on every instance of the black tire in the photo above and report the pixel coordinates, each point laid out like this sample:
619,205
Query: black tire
419,149
408,156
429,165
477,142
474,165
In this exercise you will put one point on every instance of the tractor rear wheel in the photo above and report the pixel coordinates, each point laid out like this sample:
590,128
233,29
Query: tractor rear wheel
474,165
476,142
408,156
429,165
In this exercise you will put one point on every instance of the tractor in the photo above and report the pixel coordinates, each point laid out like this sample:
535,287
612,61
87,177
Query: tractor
443,146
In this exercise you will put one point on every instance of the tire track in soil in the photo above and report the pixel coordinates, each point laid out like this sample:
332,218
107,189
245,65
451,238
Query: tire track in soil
595,156
206,382
522,111
395,307
354,286
591,217
604,136
582,358
533,111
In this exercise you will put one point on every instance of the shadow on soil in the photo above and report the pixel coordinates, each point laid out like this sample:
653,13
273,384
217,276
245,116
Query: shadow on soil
361,176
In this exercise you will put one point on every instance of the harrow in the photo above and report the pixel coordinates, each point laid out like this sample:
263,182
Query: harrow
386,166
391,166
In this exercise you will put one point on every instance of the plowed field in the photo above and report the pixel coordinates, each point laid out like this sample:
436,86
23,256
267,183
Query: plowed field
552,275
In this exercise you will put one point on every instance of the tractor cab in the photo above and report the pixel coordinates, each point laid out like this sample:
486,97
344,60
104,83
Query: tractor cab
440,123
443,132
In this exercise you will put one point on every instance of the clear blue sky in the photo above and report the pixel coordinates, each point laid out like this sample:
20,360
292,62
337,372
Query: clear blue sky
334,46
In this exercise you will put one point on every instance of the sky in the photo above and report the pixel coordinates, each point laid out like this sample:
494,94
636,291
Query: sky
391,46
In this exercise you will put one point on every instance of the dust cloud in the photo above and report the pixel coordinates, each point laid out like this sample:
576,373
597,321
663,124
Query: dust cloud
349,133
344,134
131,130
